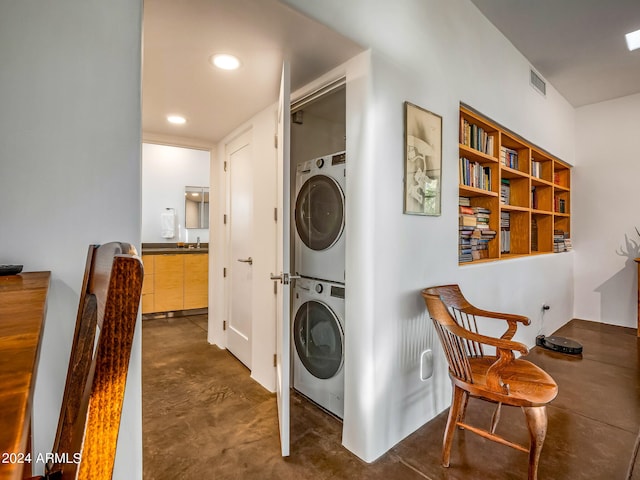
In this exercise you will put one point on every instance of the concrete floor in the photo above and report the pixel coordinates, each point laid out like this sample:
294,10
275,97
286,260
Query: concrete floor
203,417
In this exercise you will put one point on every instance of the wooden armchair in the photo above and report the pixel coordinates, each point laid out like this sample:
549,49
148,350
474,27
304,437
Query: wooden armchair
85,442
496,376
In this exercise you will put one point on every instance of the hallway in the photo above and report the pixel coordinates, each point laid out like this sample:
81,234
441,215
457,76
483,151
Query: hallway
203,417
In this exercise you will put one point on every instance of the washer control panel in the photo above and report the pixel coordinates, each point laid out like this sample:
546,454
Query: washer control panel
320,288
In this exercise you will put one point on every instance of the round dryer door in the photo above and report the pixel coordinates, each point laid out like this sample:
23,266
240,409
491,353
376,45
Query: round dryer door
320,212
318,338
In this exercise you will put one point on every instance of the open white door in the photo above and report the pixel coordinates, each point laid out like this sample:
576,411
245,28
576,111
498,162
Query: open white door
283,334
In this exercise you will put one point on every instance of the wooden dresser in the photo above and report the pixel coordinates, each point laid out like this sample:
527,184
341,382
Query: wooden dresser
23,305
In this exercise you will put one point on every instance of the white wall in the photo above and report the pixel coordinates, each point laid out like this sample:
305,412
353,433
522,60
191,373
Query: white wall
315,137
166,170
70,172
433,53
263,129
604,211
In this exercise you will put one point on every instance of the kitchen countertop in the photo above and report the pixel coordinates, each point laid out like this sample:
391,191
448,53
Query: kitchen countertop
172,248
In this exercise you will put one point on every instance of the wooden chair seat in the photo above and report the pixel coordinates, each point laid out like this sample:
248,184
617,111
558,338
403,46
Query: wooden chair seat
529,385
501,378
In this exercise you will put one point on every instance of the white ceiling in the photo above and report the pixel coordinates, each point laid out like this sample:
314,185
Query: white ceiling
179,38
577,45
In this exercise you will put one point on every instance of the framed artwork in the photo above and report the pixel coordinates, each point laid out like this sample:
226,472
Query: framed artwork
422,160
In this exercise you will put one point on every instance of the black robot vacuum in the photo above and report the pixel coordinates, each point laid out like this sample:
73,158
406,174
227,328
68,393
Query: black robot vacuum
559,344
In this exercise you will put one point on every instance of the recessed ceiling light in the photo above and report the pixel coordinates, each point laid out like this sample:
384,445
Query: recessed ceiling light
176,119
633,40
225,61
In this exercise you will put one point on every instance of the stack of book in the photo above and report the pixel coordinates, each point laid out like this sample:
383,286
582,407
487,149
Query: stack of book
568,246
505,191
509,157
474,231
473,174
468,223
561,241
505,232
482,234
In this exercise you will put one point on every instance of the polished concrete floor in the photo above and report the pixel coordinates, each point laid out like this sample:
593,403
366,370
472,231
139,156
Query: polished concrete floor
203,417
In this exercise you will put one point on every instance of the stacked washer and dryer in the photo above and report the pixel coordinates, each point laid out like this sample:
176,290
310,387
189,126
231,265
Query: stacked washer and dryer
318,300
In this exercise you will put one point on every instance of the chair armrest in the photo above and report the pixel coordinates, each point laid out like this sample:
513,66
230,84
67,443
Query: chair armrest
499,343
511,319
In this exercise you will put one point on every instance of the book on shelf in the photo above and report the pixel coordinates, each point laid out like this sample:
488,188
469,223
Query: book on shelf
464,201
505,191
559,205
473,174
466,210
505,232
505,220
505,241
476,137
468,220
534,235
536,169
509,157
534,198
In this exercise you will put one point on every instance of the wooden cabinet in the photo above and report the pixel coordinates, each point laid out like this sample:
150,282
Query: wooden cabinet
175,282
196,285
169,282
148,261
514,197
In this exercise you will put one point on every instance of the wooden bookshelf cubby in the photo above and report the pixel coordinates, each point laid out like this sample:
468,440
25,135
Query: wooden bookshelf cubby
525,191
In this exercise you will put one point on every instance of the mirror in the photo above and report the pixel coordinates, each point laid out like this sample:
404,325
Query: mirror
196,207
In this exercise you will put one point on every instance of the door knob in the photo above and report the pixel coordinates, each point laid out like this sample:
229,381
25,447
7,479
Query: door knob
285,278
246,260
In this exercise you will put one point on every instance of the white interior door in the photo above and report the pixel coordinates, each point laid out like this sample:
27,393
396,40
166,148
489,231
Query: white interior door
283,333
238,157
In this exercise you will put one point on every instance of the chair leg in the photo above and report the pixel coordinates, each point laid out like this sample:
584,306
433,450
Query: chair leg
454,414
463,408
495,418
537,423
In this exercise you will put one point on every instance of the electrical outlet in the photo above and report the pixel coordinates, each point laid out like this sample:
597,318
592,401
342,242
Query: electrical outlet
426,365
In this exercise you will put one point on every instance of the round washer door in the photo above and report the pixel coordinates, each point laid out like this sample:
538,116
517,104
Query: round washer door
319,212
318,338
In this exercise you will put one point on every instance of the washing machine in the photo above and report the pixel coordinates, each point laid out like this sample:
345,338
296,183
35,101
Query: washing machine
319,218
318,343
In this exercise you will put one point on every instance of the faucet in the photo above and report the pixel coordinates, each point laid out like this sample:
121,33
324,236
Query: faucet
197,242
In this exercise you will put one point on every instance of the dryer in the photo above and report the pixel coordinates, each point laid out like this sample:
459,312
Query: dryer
318,339
319,217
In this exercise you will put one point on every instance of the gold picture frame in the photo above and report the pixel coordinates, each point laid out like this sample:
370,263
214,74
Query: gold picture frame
422,161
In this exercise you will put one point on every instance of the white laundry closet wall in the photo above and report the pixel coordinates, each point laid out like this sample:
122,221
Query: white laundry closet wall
434,54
